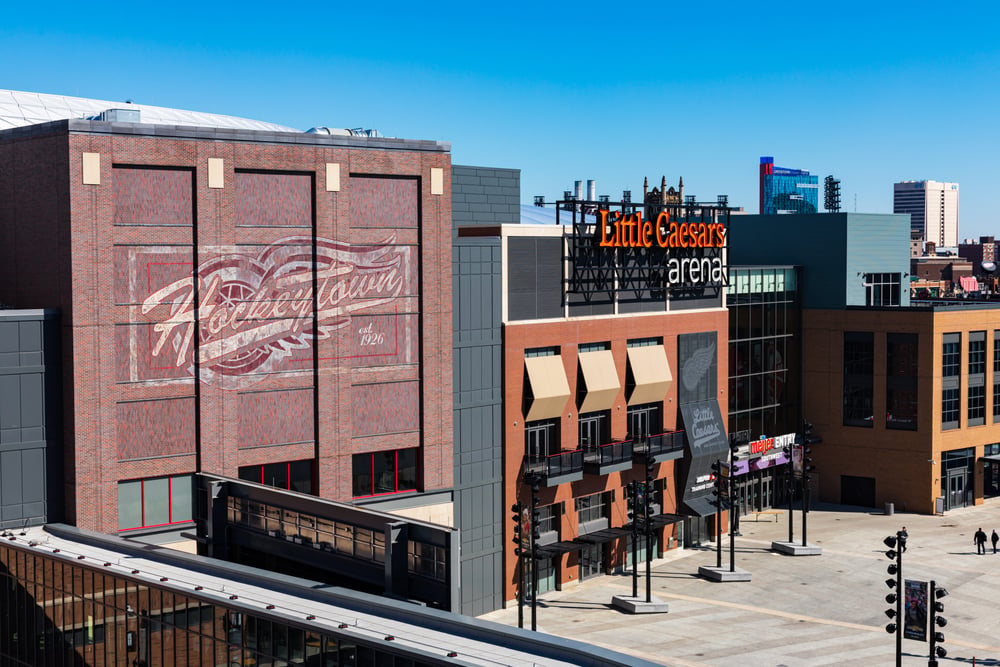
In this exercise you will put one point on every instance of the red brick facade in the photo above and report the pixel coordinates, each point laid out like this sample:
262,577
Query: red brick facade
568,335
323,324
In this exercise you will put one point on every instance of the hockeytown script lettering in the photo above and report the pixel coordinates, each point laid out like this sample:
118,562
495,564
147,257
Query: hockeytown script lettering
254,311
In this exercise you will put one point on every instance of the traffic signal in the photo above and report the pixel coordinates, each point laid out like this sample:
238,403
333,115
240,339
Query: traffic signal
893,582
650,468
937,637
516,509
807,466
807,434
630,500
734,450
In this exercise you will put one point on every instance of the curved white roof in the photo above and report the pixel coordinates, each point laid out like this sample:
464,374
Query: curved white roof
19,108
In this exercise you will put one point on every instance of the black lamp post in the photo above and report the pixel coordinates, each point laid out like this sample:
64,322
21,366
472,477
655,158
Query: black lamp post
647,524
535,534
720,493
517,509
895,554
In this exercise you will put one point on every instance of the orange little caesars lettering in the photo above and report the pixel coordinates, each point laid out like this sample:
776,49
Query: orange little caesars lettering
674,234
605,243
662,222
647,232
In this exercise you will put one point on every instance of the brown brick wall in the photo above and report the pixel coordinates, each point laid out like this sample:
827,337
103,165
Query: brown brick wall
153,219
899,461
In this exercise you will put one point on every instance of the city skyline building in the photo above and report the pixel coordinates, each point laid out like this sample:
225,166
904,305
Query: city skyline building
933,209
784,190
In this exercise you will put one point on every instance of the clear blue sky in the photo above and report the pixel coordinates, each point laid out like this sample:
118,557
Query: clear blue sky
871,92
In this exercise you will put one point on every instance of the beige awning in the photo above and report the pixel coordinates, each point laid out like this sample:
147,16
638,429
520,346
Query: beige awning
549,388
650,372
601,379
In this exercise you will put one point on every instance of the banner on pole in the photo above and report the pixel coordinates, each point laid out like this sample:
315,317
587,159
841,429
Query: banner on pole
915,610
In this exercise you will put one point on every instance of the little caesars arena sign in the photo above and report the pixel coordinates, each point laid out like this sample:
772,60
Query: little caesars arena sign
691,252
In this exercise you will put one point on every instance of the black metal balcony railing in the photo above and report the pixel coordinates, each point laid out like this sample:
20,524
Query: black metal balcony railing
662,443
554,465
609,454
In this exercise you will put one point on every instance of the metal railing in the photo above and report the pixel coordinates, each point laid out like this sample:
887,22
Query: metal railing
662,443
553,465
609,454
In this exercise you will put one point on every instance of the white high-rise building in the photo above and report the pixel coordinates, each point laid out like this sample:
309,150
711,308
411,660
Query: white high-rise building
933,209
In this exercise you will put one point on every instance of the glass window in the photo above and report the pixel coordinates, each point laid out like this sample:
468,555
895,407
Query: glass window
300,477
156,501
859,364
391,471
181,495
291,476
901,381
949,408
129,505
977,352
951,353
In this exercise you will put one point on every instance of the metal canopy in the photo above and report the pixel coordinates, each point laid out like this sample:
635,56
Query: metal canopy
602,536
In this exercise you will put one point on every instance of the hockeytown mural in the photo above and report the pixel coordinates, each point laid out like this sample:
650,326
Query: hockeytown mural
261,309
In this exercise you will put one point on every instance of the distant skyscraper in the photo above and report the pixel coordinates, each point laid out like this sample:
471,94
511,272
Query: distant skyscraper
933,209
787,190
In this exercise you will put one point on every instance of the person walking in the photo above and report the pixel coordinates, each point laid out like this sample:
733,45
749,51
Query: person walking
980,540
902,539
995,538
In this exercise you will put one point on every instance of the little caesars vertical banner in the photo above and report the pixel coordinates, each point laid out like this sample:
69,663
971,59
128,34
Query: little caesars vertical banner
705,437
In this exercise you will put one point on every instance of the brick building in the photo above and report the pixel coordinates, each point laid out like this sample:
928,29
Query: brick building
236,299
595,368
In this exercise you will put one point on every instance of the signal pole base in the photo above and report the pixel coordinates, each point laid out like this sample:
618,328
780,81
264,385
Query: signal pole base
796,549
638,605
723,574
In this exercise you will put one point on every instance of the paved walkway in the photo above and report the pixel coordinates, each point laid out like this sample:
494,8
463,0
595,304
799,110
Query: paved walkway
806,610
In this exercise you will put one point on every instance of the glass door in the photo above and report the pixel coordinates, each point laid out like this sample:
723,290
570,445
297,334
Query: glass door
591,561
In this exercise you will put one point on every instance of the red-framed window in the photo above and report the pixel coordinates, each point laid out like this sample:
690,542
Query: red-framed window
156,501
289,475
382,473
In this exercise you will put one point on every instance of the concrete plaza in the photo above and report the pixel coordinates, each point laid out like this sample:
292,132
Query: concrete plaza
805,610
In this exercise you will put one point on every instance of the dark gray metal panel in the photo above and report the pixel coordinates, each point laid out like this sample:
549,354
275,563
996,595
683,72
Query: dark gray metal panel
10,401
485,196
10,478
536,293
693,303
476,292
30,445
549,281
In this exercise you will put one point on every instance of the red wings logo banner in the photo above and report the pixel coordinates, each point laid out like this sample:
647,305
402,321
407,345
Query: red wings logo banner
255,309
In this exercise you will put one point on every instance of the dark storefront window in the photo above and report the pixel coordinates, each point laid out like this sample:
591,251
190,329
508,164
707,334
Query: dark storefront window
859,365
380,473
901,381
991,471
951,380
160,501
291,476
976,407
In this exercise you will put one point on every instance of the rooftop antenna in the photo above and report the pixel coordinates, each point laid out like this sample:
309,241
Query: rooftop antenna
831,197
